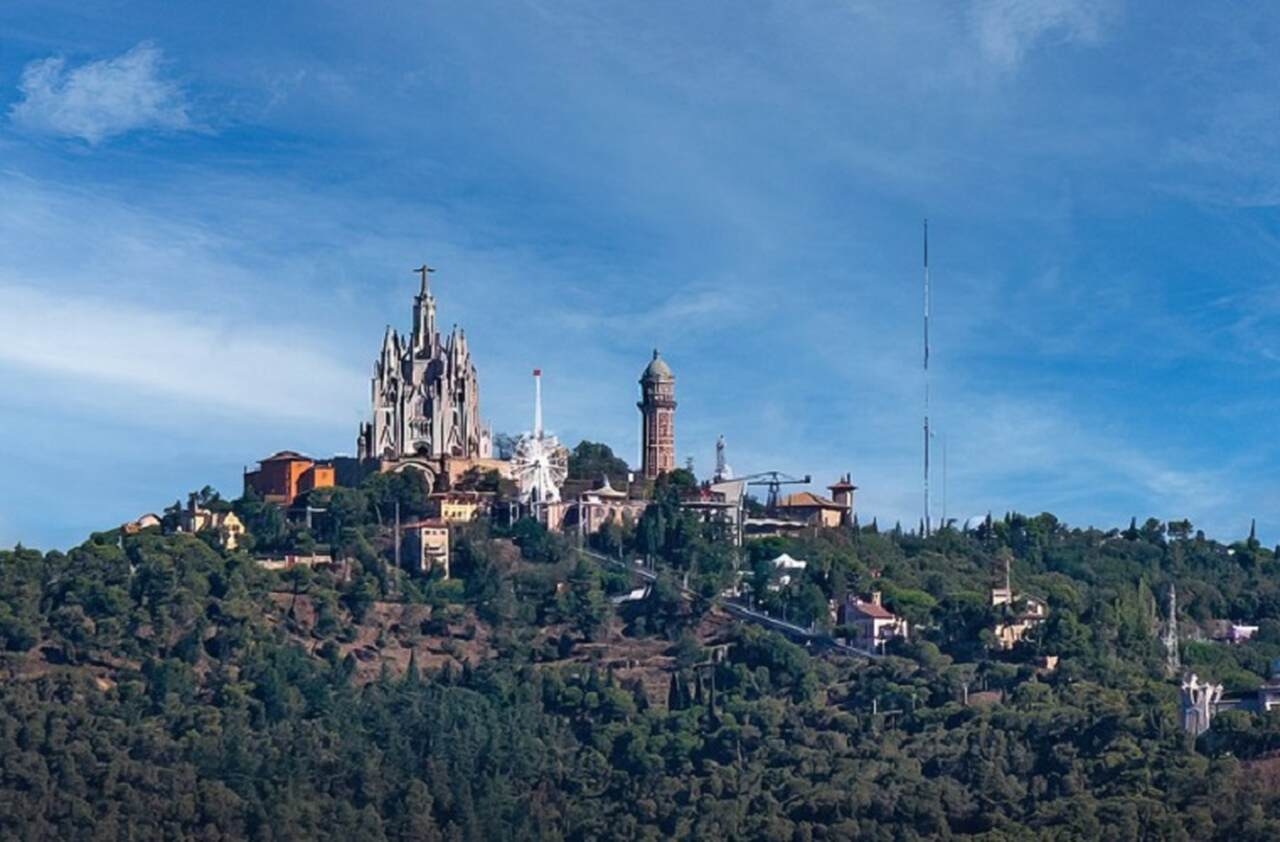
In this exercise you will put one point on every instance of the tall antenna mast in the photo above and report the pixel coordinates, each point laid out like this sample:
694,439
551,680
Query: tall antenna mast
927,521
942,524
537,403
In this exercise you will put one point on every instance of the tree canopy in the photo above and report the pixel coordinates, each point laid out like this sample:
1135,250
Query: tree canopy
157,687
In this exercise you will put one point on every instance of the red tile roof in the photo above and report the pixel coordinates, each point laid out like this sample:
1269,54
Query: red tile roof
870,609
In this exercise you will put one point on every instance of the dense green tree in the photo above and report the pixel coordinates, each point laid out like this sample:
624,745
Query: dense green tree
592,460
159,688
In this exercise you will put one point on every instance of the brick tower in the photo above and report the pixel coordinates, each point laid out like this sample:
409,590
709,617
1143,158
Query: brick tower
658,419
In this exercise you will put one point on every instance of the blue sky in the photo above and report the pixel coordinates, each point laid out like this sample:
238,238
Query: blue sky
208,216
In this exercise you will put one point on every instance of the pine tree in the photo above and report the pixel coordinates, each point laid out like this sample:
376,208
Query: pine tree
411,677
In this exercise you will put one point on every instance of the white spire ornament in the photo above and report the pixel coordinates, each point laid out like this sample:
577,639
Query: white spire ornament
541,463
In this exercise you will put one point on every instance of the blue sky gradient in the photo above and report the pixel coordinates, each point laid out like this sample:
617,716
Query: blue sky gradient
208,216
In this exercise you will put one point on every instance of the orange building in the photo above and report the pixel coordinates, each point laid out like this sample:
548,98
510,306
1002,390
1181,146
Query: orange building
282,477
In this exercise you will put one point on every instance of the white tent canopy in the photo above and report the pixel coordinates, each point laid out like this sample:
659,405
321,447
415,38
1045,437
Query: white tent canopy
786,562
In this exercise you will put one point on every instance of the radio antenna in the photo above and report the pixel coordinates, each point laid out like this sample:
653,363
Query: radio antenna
928,524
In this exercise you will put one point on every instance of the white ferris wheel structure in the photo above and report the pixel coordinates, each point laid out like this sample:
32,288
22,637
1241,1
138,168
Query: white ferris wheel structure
541,463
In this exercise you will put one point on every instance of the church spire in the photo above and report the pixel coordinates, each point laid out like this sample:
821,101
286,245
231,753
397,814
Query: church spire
424,315
424,270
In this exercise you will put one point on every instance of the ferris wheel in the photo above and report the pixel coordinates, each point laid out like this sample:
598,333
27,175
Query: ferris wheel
541,463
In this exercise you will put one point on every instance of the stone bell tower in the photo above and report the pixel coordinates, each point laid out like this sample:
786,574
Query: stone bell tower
658,419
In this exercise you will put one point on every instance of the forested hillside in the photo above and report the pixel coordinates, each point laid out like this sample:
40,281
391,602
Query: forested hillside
155,687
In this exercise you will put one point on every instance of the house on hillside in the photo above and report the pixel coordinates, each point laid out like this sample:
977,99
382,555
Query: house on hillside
873,624
1022,614
426,546
282,477
195,518
147,521
459,506
813,509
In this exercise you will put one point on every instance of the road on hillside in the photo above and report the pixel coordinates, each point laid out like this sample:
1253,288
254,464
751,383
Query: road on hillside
819,640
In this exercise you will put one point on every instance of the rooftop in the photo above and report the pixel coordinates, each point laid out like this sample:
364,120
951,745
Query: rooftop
843,484
870,609
426,523
808,500
287,456
606,489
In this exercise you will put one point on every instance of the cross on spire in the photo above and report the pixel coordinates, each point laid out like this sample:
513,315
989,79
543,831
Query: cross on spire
423,270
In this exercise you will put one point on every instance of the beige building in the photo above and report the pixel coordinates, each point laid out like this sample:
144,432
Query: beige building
194,518
426,546
597,506
842,491
813,509
147,521
873,624
288,562
1022,614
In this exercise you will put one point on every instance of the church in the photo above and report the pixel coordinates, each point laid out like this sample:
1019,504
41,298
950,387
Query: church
426,398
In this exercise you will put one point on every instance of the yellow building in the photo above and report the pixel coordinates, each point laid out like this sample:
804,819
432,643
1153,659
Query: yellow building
229,528
459,506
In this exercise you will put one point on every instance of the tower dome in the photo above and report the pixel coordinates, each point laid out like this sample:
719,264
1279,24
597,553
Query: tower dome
657,369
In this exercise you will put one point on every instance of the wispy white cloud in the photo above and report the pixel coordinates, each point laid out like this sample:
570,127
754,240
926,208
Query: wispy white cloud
192,357
1008,29
100,99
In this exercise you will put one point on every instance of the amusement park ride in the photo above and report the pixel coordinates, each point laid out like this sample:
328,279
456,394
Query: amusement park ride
541,463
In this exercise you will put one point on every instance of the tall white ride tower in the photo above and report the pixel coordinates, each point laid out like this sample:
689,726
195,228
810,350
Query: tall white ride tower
541,463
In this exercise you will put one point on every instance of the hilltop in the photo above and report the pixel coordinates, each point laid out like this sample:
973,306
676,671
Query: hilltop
158,683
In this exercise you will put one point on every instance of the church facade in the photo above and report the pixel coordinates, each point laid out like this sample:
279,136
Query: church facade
425,396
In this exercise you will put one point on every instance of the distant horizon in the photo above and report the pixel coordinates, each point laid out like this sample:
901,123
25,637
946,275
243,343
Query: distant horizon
209,218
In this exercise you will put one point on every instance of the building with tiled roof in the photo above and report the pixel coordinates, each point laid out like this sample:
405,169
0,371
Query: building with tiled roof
872,624
426,546
813,509
283,476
